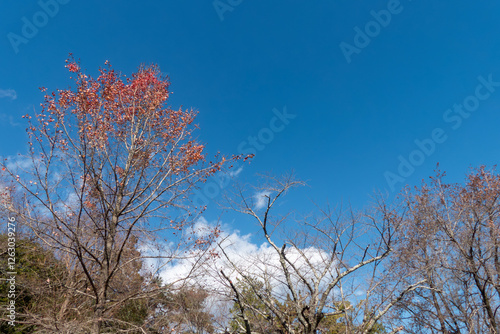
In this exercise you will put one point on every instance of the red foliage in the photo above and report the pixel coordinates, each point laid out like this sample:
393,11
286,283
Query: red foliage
112,111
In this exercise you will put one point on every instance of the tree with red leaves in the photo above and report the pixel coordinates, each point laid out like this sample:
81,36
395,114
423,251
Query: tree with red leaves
110,163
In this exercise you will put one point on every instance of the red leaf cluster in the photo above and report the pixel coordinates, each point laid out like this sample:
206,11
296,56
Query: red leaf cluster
112,111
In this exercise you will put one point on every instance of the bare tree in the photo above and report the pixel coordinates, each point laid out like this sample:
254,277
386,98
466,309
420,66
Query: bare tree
451,238
316,269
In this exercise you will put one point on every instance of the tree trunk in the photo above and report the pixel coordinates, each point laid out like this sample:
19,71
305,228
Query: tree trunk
99,312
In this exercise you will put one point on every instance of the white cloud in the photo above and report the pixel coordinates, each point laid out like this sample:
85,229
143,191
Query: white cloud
237,247
8,93
253,259
201,228
264,262
261,199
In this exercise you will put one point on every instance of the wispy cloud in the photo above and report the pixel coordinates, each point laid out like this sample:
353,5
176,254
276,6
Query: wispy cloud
261,199
8,93
20,164
235,173
4,118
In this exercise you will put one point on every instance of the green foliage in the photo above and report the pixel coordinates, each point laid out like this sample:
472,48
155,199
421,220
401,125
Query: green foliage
378,328
186,311
255,310
35,268
133,311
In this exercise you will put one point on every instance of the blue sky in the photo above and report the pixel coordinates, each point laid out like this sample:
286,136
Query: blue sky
353,115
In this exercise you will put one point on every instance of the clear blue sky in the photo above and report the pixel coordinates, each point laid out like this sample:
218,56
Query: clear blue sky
358,104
